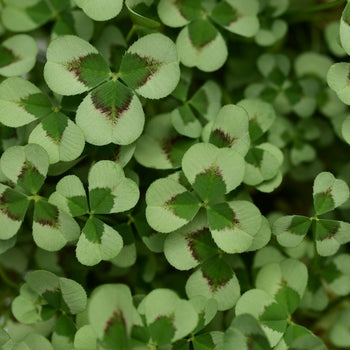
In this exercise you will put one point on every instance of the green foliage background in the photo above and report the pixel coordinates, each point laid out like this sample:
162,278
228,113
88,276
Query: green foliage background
174,174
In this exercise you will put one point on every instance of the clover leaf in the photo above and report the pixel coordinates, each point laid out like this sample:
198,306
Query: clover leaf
109,192
106,112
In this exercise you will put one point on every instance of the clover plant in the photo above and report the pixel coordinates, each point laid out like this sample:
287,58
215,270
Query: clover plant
174,174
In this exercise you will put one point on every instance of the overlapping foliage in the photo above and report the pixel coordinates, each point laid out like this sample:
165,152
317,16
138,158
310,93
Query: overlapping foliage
174,174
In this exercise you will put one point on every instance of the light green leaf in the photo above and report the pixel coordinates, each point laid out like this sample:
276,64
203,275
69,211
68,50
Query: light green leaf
70,196
207,100
4,337
53,227
330,234
175,316
174,13
271,315
26,166
26,15
13,206
329,192
261,116
339,333
271,33
185,122
201,45
189,246
263,163
230,129
141,13
73,66
60,137
150,66
111,113
215,279
299,337
238,17
206,310
97,242
18,55
33,341
100,10
160,146
337,78
73,295
262,237
337,274
306,64
204,161
332,37
269,186
41,281
344,29
233,225
345,129
169,205
285,281
23,306
7,244
111,314
245,331
21,102
109,190
85,338
291,230
73,22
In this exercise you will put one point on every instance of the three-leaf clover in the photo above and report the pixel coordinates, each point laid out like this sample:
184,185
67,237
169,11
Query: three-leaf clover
328,194
111,112
199,43
109,192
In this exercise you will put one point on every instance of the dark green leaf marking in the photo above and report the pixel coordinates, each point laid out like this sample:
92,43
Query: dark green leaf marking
221,138
36,104
46,214
201,33
274,317
30,178
217,272
288,298
175,147
115,336
77,205
186,114
277,77
93,230
112,99
189,9
101,200
162,330
55,124
330,272
294,93
6,56
13,204
136,70
255,156
91,69
221,216
224,14
201,244
209,184
65,327
203,342
323,202
299,225
255,130
184,205
200,101
326,229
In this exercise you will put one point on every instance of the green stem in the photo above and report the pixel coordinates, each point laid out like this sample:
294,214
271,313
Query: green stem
7,281
131,33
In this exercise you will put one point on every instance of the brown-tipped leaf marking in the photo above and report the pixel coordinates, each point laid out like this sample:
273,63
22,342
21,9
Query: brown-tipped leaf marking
13,204
136,70
112,99
115,334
